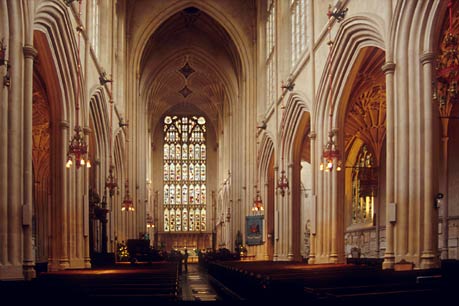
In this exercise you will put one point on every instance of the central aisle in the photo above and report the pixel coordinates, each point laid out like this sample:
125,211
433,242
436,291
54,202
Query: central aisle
198,285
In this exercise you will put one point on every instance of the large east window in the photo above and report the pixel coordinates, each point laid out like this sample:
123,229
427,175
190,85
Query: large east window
185,195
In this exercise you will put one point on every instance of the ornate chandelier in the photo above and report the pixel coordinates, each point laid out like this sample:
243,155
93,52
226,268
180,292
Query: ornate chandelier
77,147
111,182
127,204
331,154
149,221
257,203
282,183
445,91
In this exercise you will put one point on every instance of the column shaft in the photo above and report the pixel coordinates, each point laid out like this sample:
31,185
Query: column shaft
389,256
430,219
29,254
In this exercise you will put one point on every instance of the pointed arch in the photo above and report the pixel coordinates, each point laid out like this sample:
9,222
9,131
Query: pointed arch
99,138
265,153
53,20
242,45
266,156
297,106
354,34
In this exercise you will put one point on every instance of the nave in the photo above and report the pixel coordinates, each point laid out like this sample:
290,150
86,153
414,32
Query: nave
237,282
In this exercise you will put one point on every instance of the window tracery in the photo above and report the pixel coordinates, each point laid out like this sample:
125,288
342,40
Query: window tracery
184,164
364,187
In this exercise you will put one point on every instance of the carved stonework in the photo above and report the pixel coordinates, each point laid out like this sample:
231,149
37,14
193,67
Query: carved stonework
186,70
366,112
185,91
40,132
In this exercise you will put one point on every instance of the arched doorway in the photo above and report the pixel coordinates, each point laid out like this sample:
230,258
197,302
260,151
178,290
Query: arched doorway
296,146
447,109
364,171
41,171
46,131
267,158
301,181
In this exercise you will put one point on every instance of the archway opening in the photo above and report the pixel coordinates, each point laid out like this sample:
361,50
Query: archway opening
364,171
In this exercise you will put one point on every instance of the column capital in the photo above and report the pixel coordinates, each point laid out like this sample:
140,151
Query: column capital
87,130
312,135
388,67
427,58
29,51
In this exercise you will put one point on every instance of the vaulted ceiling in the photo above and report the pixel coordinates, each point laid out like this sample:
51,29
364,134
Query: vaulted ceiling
366,112
189,64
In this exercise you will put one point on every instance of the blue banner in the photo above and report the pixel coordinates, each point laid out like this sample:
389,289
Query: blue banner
254,230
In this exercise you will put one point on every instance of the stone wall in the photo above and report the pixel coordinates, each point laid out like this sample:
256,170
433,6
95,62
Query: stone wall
365,242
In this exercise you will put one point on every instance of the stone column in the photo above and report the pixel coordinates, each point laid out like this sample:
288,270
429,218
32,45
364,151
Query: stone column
29,255
61,218
276,219
83,211
14,144
312,241
290,226
4,30
428,255
444,187
389,255
335,233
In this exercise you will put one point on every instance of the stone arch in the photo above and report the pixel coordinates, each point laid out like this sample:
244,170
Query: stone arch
53,20
295,130
55,42
228,94
265,172
41,164
412,125
99,138
233,31
354,34
117,217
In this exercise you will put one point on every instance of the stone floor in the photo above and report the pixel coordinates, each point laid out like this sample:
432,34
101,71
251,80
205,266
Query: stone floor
197,285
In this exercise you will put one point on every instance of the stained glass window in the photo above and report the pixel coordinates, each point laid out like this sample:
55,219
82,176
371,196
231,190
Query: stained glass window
184,162
271,52
298,29
364,187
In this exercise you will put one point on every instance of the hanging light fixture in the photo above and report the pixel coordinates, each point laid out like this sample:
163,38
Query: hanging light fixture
77,147
110,182
257,203
127,204
257,206
445,91
149,221
282,182
331,154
